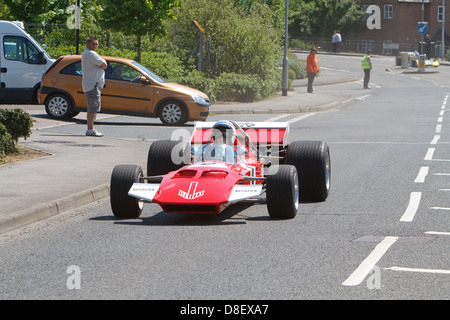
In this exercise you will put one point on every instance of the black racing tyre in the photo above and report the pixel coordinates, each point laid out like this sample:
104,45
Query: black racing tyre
122,178
172,113
282,192
165,156
58,106
312,160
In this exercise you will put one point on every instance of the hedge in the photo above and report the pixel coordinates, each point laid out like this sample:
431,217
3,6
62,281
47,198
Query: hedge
6,142
14,124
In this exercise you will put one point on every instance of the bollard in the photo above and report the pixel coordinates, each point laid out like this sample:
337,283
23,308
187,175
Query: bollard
421,63
404,60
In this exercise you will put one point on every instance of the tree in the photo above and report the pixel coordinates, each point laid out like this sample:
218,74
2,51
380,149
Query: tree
30,11
137,17
320,17
236,40
36,11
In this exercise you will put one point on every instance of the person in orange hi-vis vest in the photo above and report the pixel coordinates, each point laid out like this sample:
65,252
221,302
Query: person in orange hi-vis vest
312,68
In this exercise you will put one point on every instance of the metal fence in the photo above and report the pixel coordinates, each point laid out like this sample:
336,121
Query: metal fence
361,46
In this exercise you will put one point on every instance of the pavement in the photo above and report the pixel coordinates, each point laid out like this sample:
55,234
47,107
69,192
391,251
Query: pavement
77,168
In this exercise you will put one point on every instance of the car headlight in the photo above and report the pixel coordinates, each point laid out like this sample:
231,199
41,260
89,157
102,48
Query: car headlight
200,100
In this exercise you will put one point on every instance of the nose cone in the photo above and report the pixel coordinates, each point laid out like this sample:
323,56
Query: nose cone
200,189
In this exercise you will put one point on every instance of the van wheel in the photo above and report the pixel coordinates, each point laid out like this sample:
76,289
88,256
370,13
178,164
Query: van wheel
172,113
58,106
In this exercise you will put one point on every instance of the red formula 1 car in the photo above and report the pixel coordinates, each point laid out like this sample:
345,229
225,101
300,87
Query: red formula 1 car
223,163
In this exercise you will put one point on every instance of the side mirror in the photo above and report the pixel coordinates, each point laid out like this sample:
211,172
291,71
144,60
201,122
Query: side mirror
144,80
41,58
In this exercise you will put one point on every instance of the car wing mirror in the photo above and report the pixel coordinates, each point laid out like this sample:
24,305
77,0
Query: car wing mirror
41,58
144,80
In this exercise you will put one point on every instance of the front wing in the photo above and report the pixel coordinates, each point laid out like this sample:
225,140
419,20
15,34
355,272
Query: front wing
148,192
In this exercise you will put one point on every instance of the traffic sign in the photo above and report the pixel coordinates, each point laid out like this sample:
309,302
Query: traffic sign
422,27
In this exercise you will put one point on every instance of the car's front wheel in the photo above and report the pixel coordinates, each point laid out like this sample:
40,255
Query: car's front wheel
172,113
282,192
122,178
58,106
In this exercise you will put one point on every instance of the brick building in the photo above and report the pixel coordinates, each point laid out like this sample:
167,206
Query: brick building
393,25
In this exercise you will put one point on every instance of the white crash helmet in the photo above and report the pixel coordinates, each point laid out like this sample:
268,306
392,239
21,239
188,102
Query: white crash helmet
226,129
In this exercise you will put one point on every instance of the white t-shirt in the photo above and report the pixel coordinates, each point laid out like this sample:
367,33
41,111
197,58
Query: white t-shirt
92,71
336,38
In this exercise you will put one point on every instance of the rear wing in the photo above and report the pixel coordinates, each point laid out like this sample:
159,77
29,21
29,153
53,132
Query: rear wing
260,133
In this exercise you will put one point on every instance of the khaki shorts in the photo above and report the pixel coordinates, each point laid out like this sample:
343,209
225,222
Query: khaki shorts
93,99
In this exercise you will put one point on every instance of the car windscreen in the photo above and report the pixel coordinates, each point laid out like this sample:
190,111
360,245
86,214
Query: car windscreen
148,72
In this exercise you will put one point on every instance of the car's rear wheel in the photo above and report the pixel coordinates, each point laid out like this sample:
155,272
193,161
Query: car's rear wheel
58,106
312,160
172,113
167,155
122,178
282,192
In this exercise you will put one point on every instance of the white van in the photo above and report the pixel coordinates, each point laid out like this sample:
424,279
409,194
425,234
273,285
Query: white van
22,64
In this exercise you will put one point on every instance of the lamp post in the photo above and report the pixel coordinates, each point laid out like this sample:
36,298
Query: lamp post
443,30
78,23
285,60
423,18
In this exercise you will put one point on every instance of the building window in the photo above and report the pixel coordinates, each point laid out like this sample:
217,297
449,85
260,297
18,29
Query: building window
388,11
440,13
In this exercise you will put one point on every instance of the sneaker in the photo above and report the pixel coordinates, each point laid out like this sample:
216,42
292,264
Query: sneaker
94,133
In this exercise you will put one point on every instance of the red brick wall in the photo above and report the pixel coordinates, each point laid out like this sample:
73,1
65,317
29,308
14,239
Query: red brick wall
402,28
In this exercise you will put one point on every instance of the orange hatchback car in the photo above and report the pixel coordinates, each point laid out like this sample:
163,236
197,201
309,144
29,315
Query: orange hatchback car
131,89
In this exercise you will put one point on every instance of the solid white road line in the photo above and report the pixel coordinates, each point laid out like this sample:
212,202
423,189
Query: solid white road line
441,271
277,117
301,117
440,208
439,233
414,201
367,265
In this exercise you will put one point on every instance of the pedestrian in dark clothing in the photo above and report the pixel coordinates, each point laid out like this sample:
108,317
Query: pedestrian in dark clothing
427,44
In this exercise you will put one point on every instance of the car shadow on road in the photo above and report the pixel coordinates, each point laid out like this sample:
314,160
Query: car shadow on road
233,215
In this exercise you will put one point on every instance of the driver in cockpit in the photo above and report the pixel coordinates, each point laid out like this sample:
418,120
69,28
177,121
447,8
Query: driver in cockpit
221,147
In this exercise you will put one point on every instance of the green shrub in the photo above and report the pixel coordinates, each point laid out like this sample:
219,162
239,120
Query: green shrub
198,80
240,87
17,122
62,50
6,142
298,66
299,44
291,78
237,46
